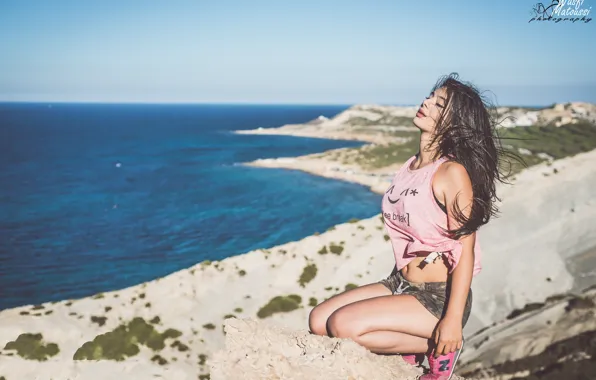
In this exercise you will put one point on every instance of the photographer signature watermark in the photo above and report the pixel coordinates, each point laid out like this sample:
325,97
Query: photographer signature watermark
562,10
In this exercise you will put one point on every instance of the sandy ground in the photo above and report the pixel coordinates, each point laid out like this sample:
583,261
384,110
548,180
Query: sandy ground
287,354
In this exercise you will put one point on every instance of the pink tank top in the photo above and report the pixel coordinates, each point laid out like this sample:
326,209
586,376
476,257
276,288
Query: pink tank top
413,219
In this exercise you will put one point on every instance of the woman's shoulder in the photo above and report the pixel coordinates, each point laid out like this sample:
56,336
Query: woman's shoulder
452,174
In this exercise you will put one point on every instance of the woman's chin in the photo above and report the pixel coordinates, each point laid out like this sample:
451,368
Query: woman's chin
418,123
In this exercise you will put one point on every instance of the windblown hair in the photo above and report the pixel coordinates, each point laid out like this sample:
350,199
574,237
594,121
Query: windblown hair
466,133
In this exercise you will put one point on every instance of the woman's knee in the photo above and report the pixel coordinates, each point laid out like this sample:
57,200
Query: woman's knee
317,320
340,325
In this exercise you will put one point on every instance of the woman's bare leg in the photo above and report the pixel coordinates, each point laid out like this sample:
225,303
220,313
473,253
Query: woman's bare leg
388,324
317,320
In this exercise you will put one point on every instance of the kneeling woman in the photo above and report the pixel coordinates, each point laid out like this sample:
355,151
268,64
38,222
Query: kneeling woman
432,210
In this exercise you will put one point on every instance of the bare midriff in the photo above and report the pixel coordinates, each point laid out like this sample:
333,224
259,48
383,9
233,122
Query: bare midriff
417,271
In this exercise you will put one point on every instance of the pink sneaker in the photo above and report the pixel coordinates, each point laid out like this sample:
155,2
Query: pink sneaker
441,368
413,359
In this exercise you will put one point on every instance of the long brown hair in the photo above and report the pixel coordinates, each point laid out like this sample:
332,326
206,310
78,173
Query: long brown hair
467,134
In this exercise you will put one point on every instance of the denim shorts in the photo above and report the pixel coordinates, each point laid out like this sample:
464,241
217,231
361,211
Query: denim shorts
434,296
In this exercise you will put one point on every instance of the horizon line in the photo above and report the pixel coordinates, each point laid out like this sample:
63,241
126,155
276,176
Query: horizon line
238,103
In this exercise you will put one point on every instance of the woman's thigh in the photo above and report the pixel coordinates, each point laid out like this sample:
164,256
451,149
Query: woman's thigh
317,320
399,313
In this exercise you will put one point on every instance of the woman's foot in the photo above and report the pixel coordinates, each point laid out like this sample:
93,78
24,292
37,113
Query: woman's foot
413,359
442,367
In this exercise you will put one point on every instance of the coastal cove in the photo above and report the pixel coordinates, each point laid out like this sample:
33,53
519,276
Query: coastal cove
102,197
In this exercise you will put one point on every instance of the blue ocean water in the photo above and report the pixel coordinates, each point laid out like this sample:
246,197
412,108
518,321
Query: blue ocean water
97,197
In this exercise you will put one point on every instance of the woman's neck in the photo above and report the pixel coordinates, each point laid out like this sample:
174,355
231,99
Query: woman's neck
427,151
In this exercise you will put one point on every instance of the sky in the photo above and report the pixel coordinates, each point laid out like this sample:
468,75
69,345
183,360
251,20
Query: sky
283,51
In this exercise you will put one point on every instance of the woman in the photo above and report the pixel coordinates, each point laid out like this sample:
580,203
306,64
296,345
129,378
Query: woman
432,210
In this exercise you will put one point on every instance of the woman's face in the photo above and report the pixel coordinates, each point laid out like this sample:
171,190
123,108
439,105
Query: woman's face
430,110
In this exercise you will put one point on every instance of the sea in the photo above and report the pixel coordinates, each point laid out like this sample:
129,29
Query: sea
99,197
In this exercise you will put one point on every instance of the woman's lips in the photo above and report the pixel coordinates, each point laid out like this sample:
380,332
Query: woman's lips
419,113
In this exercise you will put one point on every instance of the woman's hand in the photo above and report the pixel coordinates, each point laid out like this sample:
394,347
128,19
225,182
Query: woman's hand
448,335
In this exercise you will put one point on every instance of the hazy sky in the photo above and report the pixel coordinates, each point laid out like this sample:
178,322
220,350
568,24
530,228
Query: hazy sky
287,51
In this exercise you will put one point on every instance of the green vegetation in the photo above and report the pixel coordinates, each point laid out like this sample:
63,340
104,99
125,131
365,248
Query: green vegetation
336,249
350,286
312,302
354,220
99,320
205,377
98,296
280,304
107,308
202,359
37,307
323,251
308,273
209,326
238,310
558,142
123,341
159,359
383,120
386,237
32,347
229,316
241,272
379,156
155,320
179,345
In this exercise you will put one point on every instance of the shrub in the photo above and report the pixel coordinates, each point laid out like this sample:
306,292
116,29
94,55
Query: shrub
99,320
280,304
32,347
123,341
159,359
308,273
336,249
